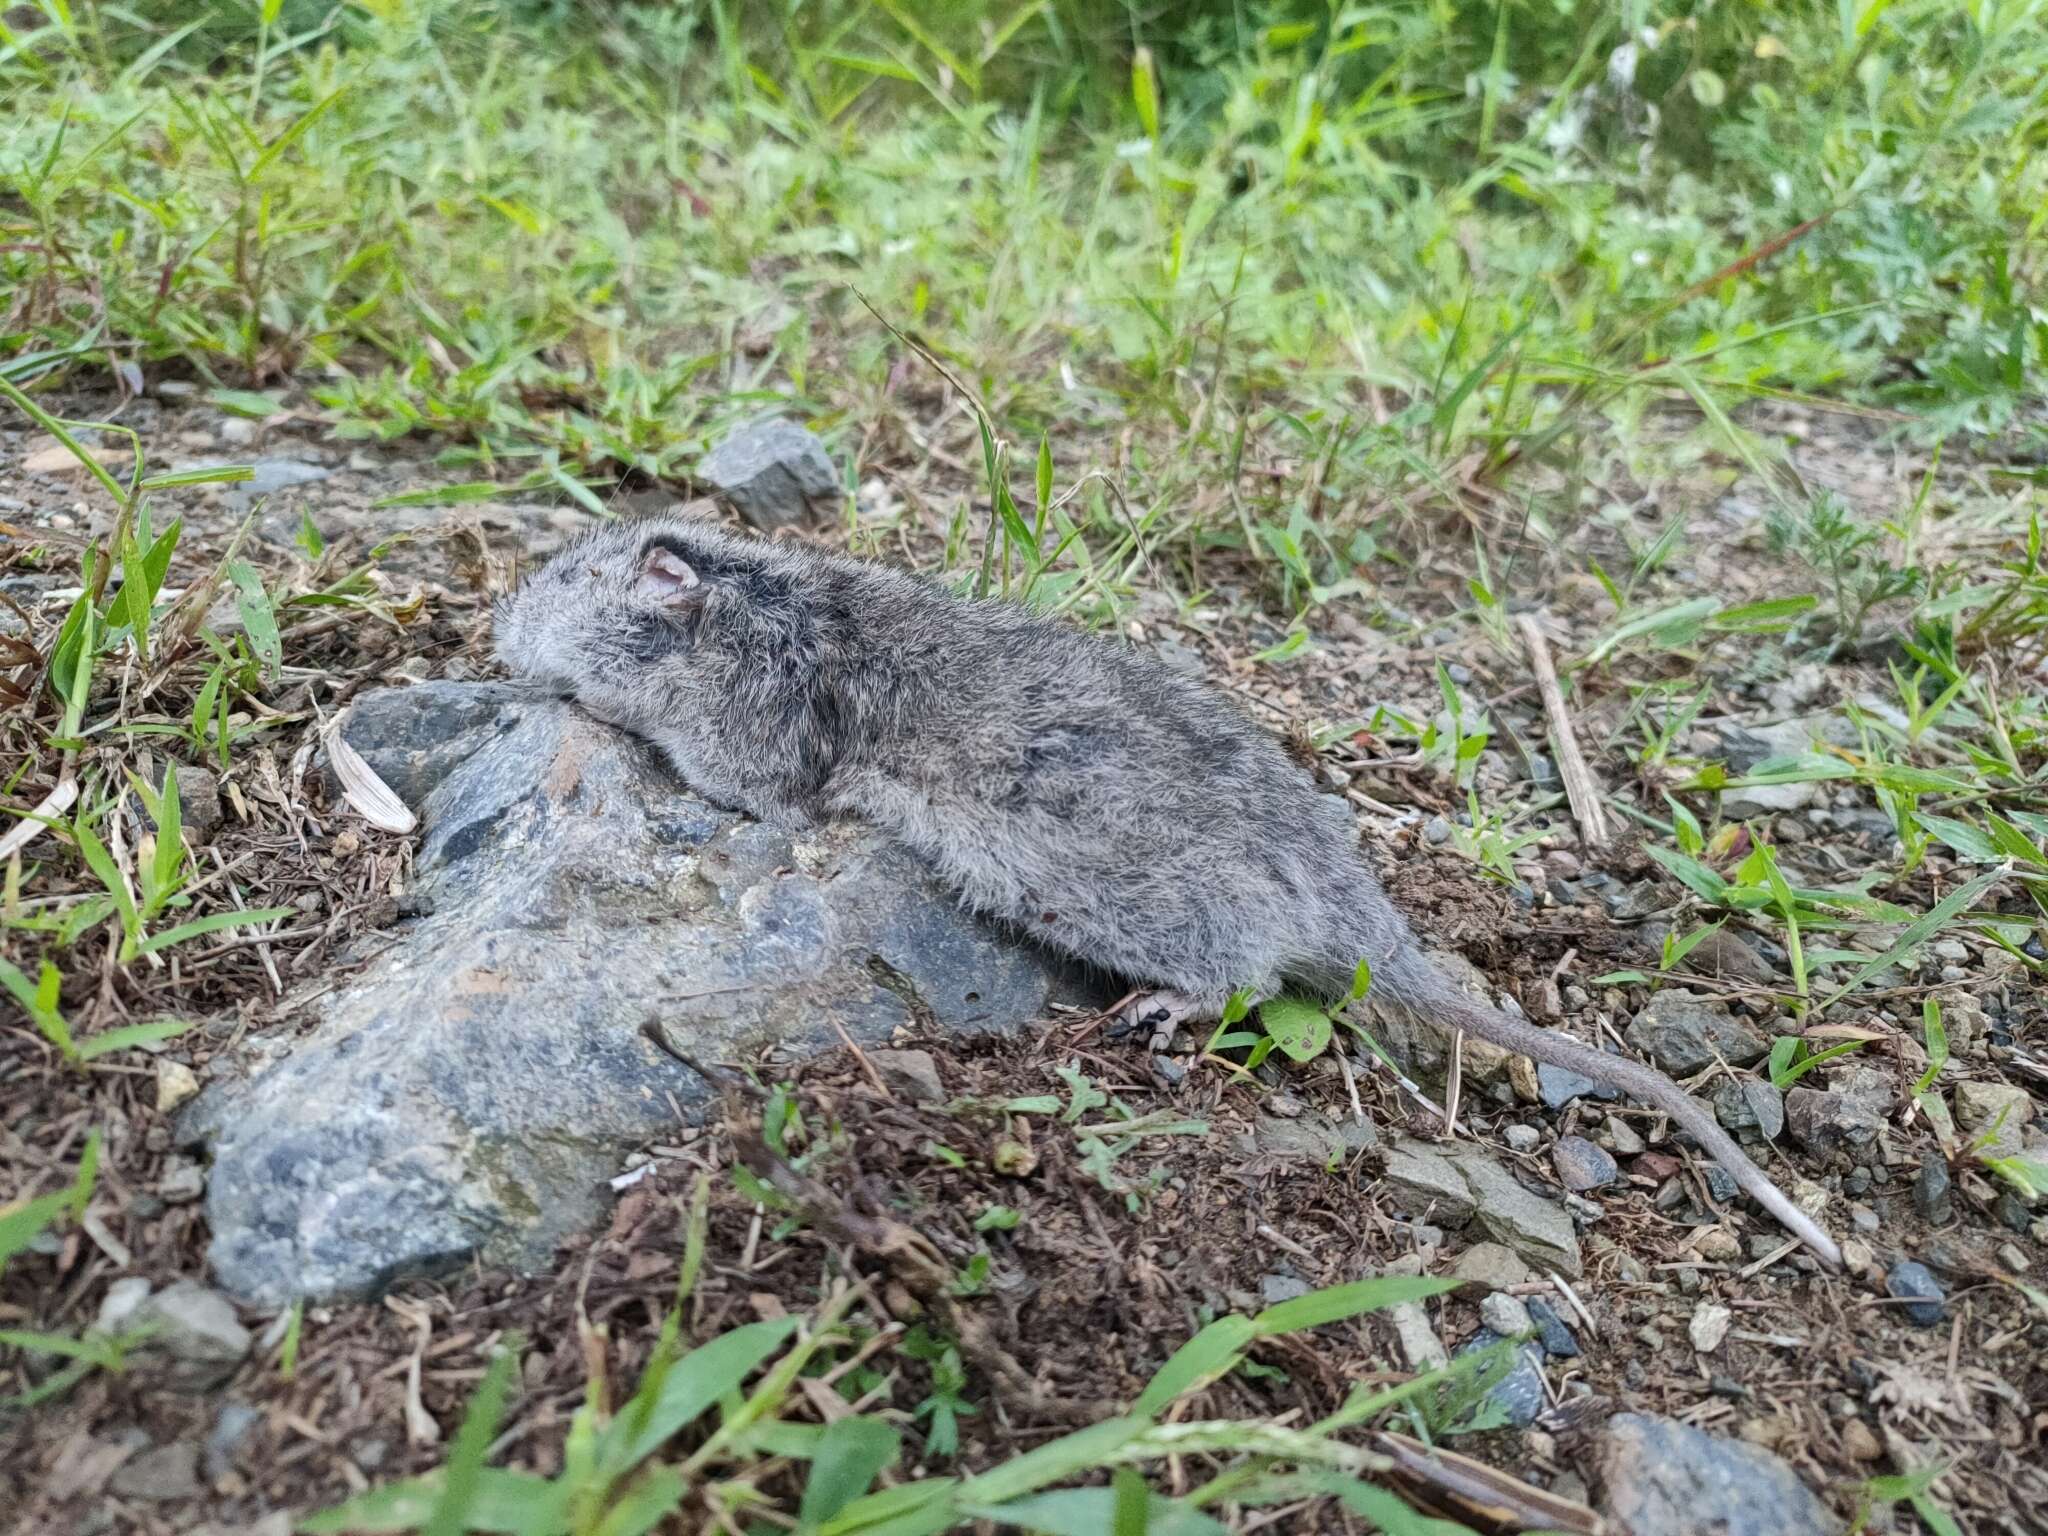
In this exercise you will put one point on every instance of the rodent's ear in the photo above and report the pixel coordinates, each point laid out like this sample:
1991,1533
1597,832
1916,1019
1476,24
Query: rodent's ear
666,577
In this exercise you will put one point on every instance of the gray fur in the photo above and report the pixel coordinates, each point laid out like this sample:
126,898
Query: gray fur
1083,791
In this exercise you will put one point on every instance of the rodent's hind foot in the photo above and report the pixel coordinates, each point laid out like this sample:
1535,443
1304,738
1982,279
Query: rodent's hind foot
1160,1013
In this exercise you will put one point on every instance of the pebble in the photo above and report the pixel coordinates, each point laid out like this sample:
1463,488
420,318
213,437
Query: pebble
1550,1328
230,1429
1709,1326
1278,1288
1522,1138
1951,949
1858,1443
1622,1138
236,431
1720,1183
1863,1218
1931,1191
1558,1087
1436,831
1493,1265
1506,1315
913,1074
1909,1278
1717,1245
168,1472
1582,1165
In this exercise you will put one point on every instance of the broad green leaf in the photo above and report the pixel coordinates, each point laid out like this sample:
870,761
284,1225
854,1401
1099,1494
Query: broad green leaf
850,1453
695,1382
1300,1029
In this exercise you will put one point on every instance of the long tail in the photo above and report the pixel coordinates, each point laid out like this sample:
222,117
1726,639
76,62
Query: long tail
1420,986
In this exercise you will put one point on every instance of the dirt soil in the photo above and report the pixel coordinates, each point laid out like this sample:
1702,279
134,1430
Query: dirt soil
1108,1268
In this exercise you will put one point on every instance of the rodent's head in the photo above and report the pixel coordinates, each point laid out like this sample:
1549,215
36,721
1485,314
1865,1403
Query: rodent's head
620,600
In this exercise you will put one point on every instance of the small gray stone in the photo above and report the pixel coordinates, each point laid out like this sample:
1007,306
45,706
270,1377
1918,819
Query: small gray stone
1582,1165
197,1328
1420,1346
1848,1113
230,1429
118,1307
1506,1315
1999,1111
1492,1265
1550,1328
775,472
1557,1087
1911,1279
1749,1104
1276,1288
1720,1182
1429,1180
913,1074
1623,1139
1522,1138
168,1472
236,431
1683,1034
1436,831
1657,1477
182,1183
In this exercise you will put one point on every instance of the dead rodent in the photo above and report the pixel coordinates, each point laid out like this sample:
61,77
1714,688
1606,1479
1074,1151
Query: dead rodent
1087,794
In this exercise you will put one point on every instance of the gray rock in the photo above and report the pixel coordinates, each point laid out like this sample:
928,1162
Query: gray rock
1537,1229
1623,1139
1421,1045
775,472
1557,1087
1999,1112
230,1428
1684,1033
1557,1339
913,1074
1657,1477
1274,1289
1749,1104
1506,1315
1429,1179
1582,1165
1931,1190
1913,1282
1420,1346
1320,1144
1492,1265
119,1306
197,1330
1519,1395
1848,1113
592,943
168,1472
1522,1138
